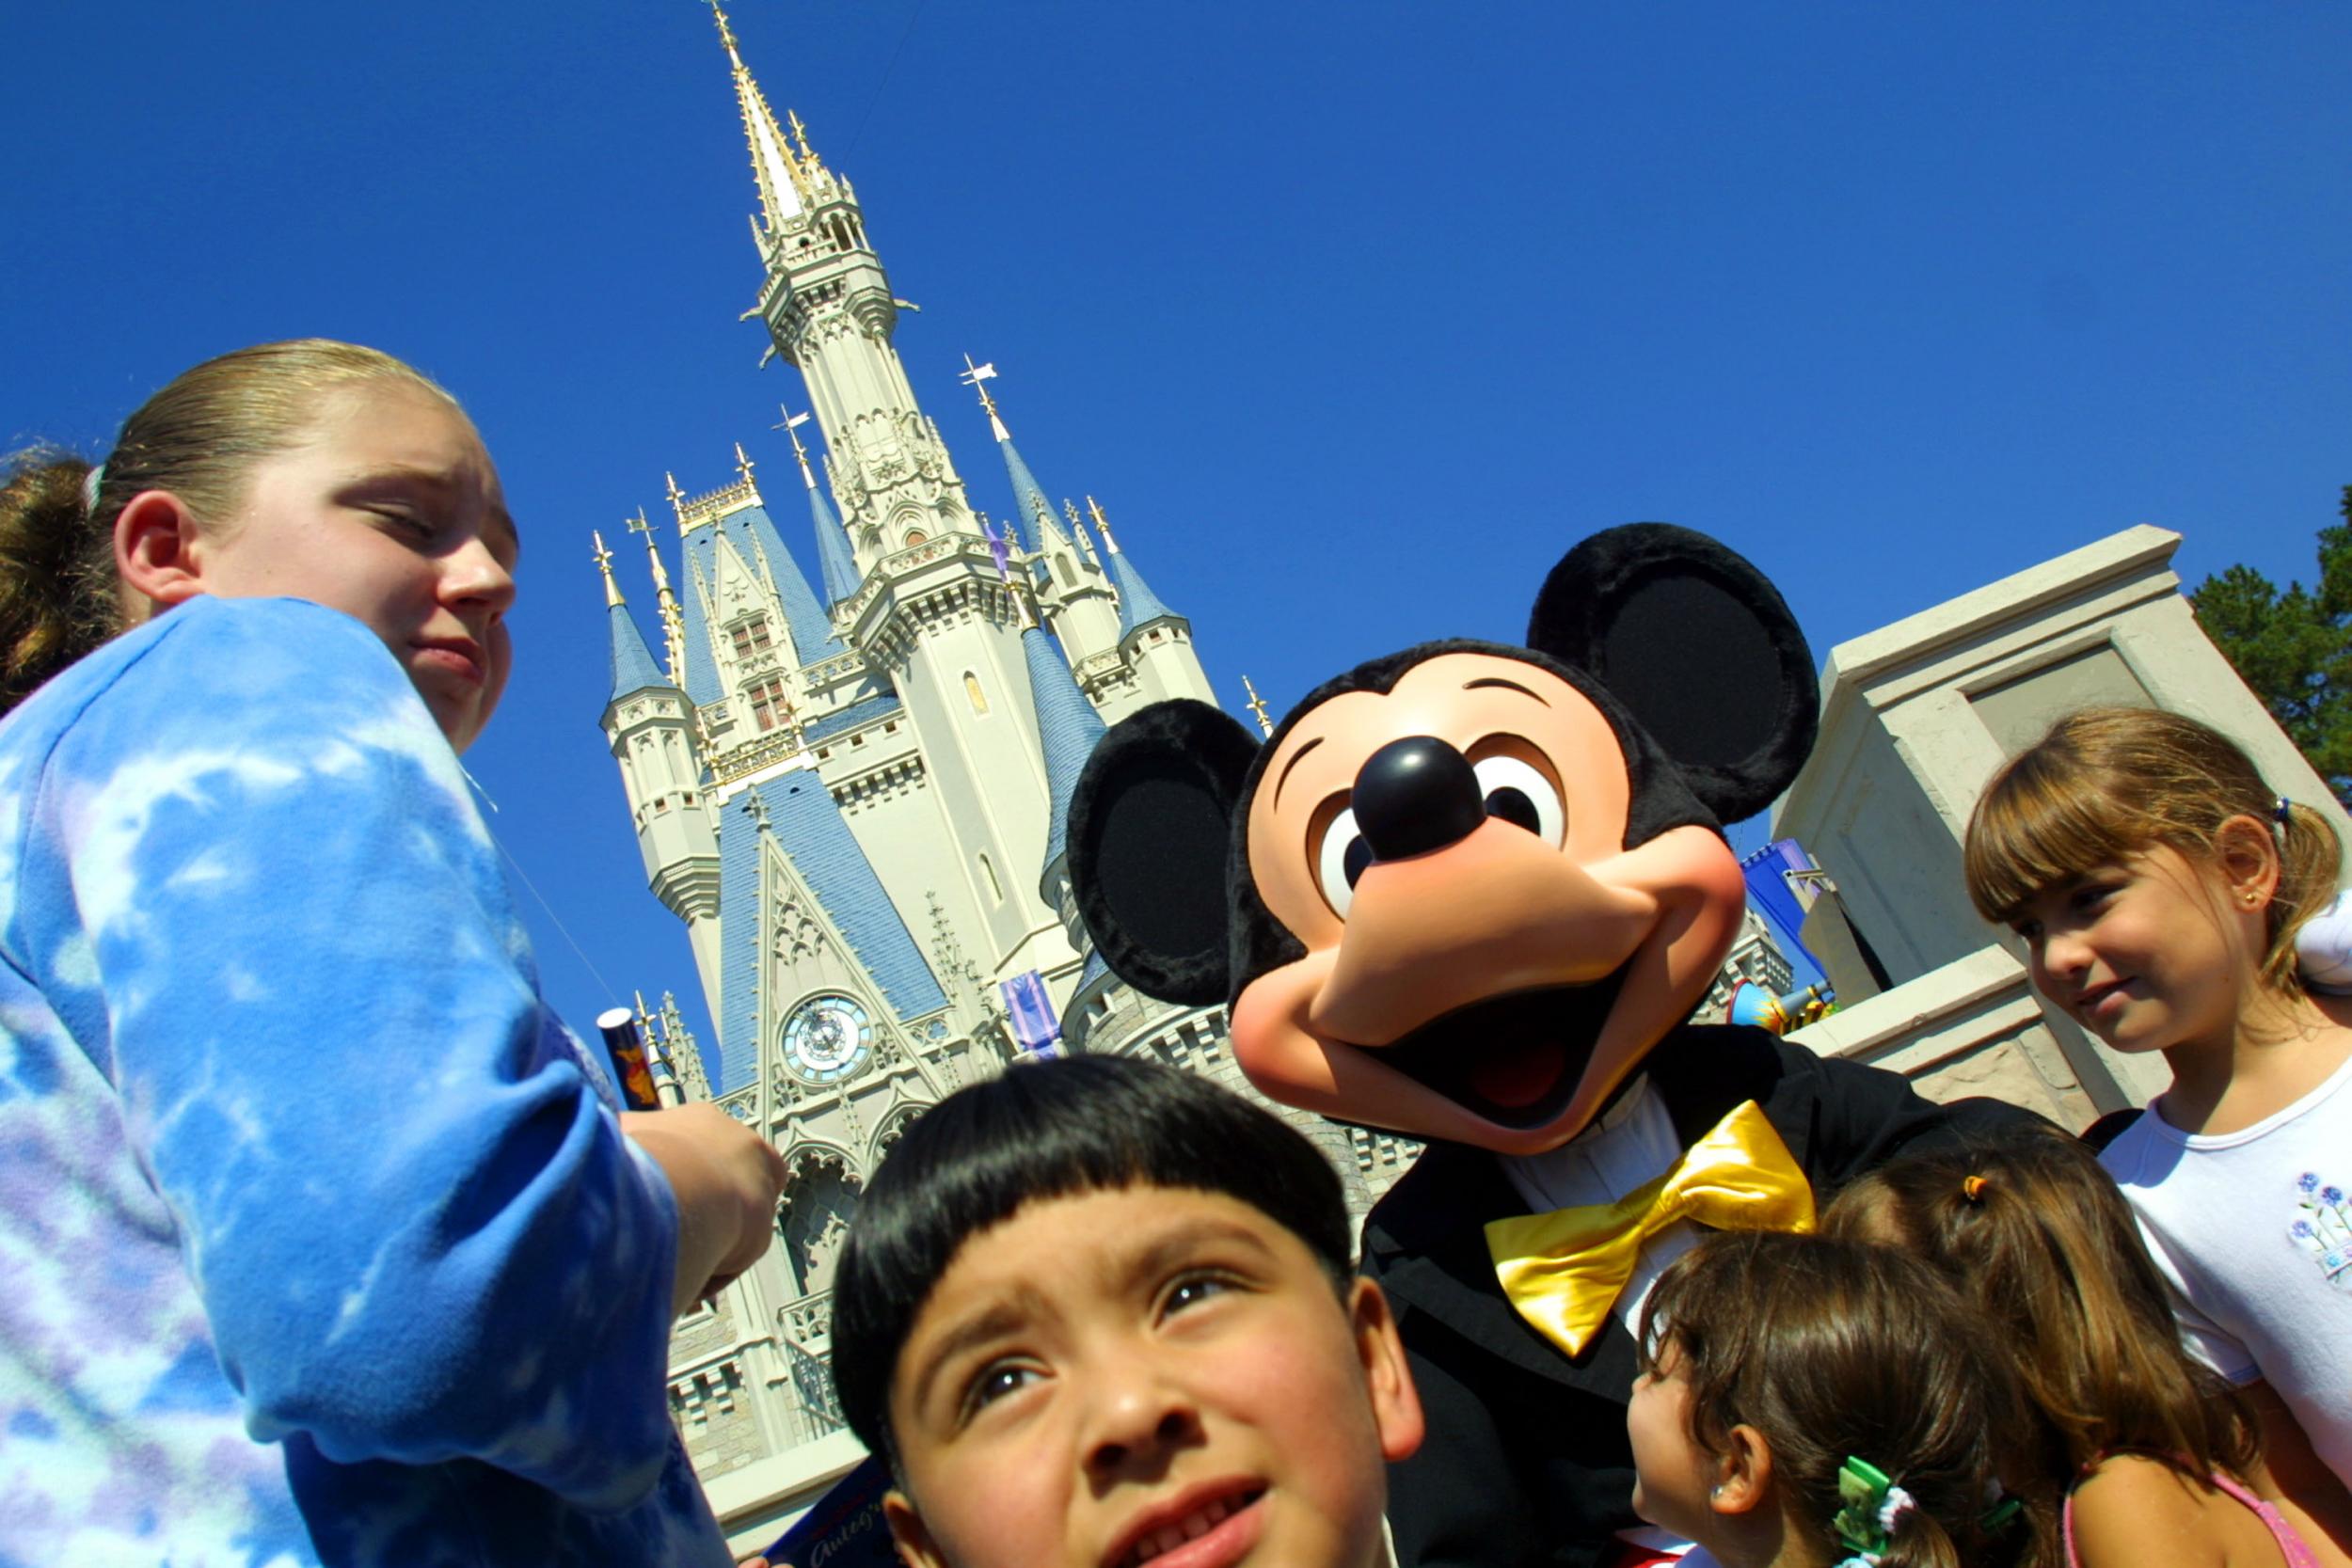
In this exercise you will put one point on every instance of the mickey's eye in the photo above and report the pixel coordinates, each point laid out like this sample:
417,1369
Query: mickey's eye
1340,859
1519,794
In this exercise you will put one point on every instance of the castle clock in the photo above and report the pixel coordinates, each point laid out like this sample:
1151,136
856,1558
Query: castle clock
826,1038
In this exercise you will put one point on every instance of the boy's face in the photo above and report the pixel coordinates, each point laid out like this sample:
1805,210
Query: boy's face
1146,1375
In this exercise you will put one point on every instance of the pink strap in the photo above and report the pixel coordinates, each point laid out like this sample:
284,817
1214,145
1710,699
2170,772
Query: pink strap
2291,1546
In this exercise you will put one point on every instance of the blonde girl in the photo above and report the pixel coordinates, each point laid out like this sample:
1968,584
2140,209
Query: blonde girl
2159,885
322,1241
2164,1456
1815,1404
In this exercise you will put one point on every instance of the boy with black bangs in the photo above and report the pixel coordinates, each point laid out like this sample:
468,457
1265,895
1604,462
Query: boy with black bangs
1101,1314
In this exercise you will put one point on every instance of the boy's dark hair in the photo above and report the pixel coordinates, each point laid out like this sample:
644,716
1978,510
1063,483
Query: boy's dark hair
1041,1130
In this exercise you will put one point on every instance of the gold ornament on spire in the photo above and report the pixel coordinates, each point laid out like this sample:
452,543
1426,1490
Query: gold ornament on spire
742,463
1094,509
673,618
791,426
604,563
1257,707
784,189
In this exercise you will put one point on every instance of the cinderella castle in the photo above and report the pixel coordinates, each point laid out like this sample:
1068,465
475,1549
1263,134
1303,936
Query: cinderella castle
852,786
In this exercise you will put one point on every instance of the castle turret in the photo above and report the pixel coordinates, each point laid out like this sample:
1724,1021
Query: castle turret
1155,642
928,614
833,560
1068,727
650,724
1073,591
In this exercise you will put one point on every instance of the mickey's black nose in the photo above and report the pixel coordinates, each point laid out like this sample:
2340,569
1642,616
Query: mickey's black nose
1416,794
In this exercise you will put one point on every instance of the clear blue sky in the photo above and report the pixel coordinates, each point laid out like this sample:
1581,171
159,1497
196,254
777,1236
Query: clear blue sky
1354,316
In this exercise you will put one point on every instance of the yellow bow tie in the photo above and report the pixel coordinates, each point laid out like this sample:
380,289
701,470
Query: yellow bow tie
1563,1271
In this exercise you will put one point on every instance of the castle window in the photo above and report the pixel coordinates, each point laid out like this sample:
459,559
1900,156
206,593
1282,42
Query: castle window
914,537
751,638
971,690
768,706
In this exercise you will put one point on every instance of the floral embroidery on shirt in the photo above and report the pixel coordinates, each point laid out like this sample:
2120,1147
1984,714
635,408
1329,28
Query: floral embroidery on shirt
2323,1228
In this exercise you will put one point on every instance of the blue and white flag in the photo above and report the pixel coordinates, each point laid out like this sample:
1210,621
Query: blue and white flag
1034,1027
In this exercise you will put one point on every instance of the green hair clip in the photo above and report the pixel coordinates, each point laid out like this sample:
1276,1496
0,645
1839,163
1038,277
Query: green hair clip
1870,1502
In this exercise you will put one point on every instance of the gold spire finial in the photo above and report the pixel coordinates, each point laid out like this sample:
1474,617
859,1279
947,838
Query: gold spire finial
791,426
1094,509
742,463
673,618
800,134
726,34
977,377
783,192
677,502
604,563
1257,707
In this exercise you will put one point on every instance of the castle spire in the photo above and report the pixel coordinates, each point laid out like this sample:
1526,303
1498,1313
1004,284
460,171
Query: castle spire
673,618
834,562
1137,604
1068,727
1026,490
782,181
633,669
1257,707
604,563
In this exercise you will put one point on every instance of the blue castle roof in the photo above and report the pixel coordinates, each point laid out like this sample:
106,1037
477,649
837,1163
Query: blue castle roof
633,666
1137,604
1035,511
701,548
1067,726
834,561
812,627
815,838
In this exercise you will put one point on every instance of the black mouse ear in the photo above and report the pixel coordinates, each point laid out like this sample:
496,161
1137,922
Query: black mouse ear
1151,832
1699,646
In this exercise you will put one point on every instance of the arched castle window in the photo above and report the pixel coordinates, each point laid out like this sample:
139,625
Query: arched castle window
1069,577
914,537
751,638
820,1200
971,690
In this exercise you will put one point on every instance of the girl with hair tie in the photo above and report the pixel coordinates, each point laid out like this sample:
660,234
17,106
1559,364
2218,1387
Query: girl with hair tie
2161,888
325,1242
2166,1455
1813,1403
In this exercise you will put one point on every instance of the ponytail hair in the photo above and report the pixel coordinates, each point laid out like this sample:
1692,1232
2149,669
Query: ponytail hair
56,572
1836,1350
198,437
2035,1233
2108,782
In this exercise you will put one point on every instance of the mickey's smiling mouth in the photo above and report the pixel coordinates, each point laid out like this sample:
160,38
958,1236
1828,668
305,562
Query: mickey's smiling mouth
1513,1060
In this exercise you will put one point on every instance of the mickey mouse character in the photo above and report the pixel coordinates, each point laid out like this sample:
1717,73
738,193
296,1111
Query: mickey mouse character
1472,892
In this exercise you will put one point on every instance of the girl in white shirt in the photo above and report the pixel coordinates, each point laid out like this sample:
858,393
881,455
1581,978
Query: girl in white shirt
2159,886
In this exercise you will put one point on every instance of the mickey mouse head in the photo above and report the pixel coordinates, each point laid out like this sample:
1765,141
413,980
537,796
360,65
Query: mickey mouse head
1464,888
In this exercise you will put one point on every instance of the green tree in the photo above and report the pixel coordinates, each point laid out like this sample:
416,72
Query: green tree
2294,648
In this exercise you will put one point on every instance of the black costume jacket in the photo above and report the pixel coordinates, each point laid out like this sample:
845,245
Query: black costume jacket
1535,1468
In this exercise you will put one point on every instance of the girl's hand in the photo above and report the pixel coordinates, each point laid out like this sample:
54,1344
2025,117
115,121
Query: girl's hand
726,1179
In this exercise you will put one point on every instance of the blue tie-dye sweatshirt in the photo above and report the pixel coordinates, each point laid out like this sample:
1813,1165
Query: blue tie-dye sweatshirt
319,1242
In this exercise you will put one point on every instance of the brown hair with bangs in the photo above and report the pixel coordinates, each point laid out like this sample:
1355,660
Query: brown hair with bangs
1831,1349
2035,1233
2109,783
